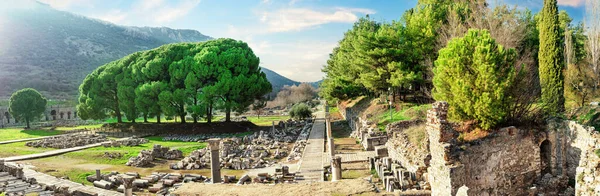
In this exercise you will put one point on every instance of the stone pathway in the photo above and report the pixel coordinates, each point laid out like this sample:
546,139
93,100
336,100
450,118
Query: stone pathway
311,165
23,140
54,152
49,180
351,157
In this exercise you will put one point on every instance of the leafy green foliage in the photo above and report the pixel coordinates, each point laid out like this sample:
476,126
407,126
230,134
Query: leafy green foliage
175,80
474,75
300,111
27,105
551,59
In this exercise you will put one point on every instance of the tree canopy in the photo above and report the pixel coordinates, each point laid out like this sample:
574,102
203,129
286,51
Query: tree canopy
27,105
175,80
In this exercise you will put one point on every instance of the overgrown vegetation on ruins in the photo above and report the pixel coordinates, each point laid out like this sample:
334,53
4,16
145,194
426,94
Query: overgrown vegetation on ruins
175,80
522,74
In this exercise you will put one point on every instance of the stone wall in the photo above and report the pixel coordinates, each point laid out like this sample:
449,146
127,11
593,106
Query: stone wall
504,163
414,157
513,161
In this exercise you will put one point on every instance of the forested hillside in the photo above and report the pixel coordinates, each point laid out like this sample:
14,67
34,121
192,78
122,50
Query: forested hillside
52,51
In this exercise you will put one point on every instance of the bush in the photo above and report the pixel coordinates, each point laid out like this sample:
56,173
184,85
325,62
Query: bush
474,75
300,111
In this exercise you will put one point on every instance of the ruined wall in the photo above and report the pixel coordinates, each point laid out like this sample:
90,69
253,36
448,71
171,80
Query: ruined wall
506,163
574,155
414,157
513,161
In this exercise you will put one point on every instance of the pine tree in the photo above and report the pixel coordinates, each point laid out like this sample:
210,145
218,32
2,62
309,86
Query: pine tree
550,60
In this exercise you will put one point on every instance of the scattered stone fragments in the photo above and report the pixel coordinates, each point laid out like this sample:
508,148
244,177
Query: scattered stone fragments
67,141
157,183
134,141
258,150
13,182
112,155
145,157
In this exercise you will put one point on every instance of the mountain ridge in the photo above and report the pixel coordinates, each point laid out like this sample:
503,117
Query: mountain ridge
52,50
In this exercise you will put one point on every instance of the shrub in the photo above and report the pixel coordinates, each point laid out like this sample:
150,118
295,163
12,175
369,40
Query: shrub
300,111
474,75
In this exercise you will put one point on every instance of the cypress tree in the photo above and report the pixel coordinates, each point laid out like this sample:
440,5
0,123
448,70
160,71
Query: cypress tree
550,60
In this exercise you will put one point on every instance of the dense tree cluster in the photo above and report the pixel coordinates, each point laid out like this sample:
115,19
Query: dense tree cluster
494,64
290,95
175,80
300,111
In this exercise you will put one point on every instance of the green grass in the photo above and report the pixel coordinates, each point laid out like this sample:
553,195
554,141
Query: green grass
19,148
409,112
333,109
96,155
597,152
355,174
266,120
18,133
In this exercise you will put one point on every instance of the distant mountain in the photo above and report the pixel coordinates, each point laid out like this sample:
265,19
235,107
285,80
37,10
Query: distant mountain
53,51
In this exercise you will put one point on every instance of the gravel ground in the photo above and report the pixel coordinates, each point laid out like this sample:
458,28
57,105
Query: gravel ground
344,187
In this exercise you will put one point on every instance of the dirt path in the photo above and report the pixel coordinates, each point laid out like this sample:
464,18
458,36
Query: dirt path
54,152
343,187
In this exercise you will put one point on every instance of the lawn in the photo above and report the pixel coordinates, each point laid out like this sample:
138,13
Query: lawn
18,133
408,112
19,148
266,120
96,155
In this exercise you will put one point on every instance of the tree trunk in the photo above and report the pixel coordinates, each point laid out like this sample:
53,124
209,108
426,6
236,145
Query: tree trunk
133,121
195,119
118,110
158,118
27,121
182,114
209,113
228,114
145,118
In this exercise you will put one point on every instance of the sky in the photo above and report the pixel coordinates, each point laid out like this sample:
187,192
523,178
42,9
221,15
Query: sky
292,37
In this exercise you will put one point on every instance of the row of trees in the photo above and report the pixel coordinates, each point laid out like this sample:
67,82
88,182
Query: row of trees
493,64
175,80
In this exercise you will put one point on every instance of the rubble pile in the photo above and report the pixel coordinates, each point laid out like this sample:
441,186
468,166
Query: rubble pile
258,150
145,157
301,141
157,183
134,141
67,141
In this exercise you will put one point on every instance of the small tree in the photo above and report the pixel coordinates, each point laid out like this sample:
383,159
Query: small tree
579,83
475,75
27,105
258,106
300,111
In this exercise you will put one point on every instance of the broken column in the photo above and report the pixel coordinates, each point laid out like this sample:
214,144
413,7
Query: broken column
336,168
98,175
331,147
127,184
215,164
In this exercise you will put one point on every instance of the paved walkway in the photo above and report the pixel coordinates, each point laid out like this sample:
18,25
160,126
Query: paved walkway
311,166
23,140
51,180
350,157
54,152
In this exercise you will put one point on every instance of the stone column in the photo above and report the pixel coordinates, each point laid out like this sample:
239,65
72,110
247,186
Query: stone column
336,168
98,175
215,164
331,147
127,184
273,129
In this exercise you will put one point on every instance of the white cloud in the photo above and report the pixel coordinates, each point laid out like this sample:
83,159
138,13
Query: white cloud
115,16
266,1
292,2
168,13
300,18
572,3
66,4
298,60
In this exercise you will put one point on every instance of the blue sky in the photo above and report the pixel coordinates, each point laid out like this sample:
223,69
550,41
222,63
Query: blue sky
291,37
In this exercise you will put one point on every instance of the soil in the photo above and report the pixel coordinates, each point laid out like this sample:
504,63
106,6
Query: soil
190,128
343,187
